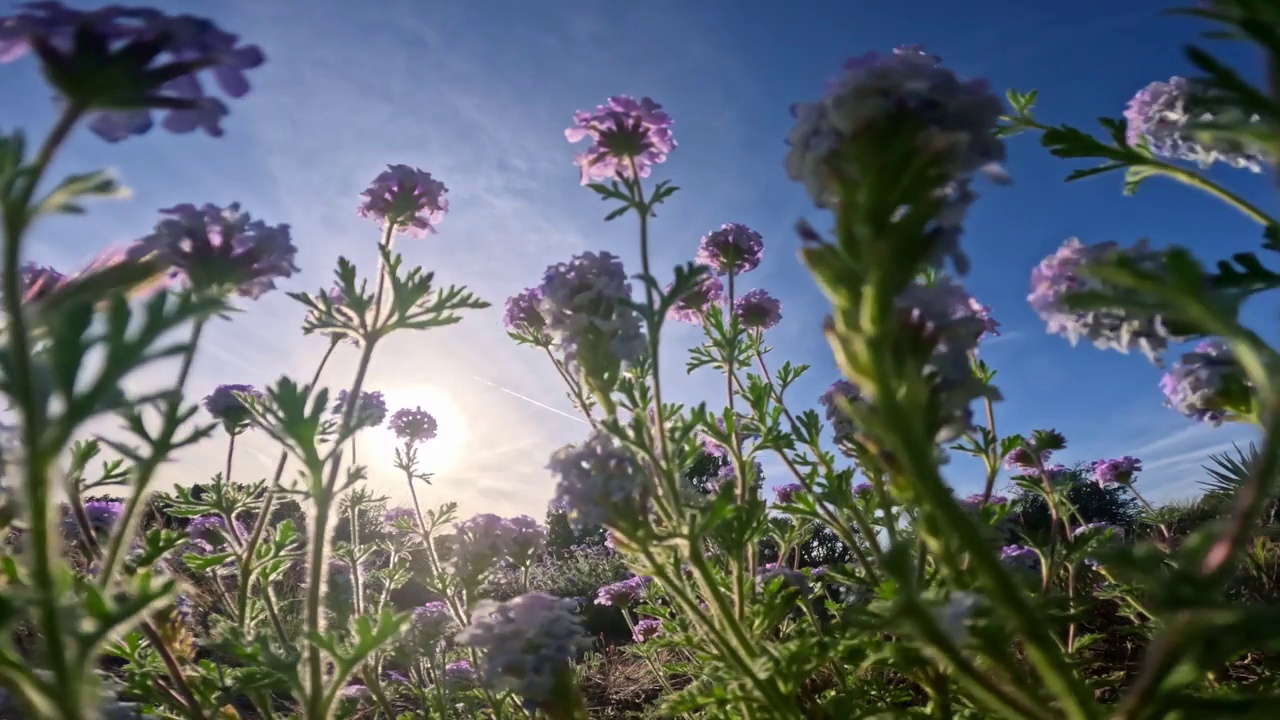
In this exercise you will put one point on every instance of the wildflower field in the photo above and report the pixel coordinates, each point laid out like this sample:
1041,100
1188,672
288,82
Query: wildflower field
668,577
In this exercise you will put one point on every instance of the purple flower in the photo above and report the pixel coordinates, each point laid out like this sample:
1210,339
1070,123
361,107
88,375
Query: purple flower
481,542
1020,556
757,310
863,489
584,303
413,426
525,642
224,403
39,281
220,248
353,691
790,578
1092,528
975,502
622,593
712,446
397,677
523,314
369,412
525,539
1164,116
102,515
133,58
212,529
734,248
596,481
628,137
646,630
1198,385
785,494
430,624
1024,460
946,311
400,516
1117,471
691,307
459,673
727,474
406,197
1060,275
840,394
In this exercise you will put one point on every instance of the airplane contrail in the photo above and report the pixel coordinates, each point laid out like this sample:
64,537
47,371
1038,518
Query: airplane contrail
530,400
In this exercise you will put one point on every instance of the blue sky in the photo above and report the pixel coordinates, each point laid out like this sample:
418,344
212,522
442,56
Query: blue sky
479,93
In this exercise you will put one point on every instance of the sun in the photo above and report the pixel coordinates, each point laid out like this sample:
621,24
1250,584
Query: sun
438,455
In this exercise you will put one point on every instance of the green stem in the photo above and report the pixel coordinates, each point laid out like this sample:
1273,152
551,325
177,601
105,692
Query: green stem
574,387
354,518
993,457
1195,180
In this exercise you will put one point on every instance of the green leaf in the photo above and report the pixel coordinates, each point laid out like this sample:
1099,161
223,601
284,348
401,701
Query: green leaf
94,184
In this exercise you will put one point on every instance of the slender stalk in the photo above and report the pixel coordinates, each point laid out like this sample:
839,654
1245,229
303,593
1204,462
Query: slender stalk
1194,179
648,658
354,518
993,459
574,387
231,450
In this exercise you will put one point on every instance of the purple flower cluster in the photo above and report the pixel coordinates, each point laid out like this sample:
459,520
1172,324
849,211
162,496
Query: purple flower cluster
219,248
135,39
1020,556
1197,384
407,198
400,515
945,310
596,481
863,489
841,391
727,474
459,673
525,539
1065,272
646,630
711,446
1164,116
212,529
39,281
102,515
790,578
628,137
526,642
785,494
757,310
908,89
1117,471
975,503
225,404
413,425
1025,461
483,541
584,304
734,248
431,622
623,593
370,411
691,307
523,313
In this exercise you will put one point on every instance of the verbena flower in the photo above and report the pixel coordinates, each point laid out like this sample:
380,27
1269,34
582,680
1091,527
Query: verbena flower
523,312
785,494
219,248
526,643
400,515
1199,384
597,481
353,692
1163,115
584,303
906,91
459,673
1060,275
975,502
694,304
481,542
370,411
734,248
712,446
1055,473
622,593
766,574
842,426
407,197
525,539
146,60
223,404
1024,460
213,529
728,474
430,623
102,515
413,425
757,310
863,489
38,281
1020,556
1117,471
628,137
948,312
646,630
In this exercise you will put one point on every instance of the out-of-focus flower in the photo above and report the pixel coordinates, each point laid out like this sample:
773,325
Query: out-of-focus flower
841,393
459,673
975,502
953,616
431,622
1065,272
1020,556
481,542
353,692
785,494
213,529
413,425
1117,471
1198,384
622,593
102,515
369,412
407,197
1163,115
526,643
219,248
734,248
944,309
693,305
628,137
1024,460
224,404
584,304
790,578
757,310
39,281
523,313
863,489
597,481
122,62
525,539
1097,528
400,515
646,630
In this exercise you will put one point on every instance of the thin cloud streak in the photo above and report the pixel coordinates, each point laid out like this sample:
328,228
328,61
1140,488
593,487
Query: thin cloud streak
530,400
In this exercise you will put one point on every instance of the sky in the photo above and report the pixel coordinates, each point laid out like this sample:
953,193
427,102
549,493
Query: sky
478,93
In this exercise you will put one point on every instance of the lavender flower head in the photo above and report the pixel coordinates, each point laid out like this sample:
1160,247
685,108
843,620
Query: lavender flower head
1164,115
646,630
523,313
525,539
219,248
597,481
975,503
370,411
880,92
153,59
841,391
400,515
757,310
628,137
413,425
863,489
481,542
622,593
38,281
693,305
1117,471
459,673
406,197
1020,556
734,248
785,494
223,404
1023,460
947,311
583,303
728,475
526,642
430,624
1059,275
102,515
212,529
768,572
1197,385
